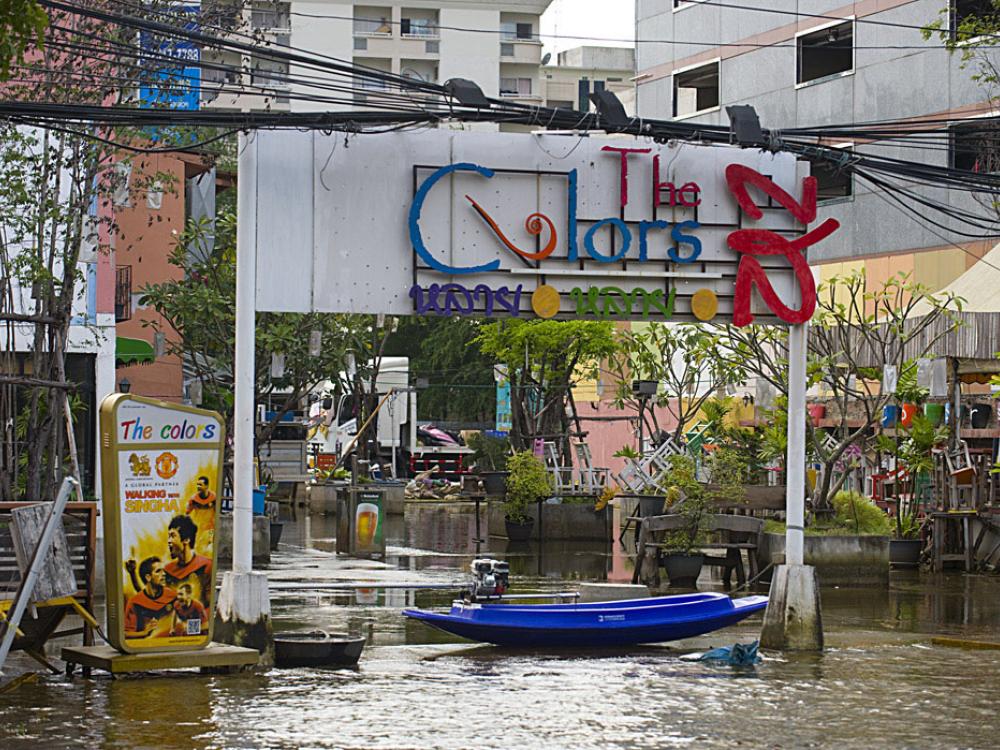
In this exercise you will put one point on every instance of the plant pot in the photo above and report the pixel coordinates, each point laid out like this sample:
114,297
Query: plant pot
906,417
934,413
979,416
816,413
494,482
905,553
517,531
890,415
683,569
651,505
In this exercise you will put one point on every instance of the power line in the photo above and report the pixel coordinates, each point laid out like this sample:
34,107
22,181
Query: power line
505,35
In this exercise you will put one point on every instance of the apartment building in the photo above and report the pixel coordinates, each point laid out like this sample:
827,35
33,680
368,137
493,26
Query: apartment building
798,70
582,71
495,44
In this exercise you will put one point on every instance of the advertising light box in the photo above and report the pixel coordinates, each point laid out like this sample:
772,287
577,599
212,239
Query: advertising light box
161,470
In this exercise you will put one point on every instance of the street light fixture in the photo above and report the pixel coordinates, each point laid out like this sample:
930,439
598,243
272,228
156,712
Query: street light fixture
124,385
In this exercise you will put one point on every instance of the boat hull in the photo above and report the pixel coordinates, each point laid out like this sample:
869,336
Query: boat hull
317,649
600,624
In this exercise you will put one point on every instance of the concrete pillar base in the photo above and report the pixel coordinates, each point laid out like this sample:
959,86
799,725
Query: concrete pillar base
793,620
243,615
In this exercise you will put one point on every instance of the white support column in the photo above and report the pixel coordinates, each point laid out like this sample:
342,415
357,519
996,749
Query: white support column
793,619
243,419
795,467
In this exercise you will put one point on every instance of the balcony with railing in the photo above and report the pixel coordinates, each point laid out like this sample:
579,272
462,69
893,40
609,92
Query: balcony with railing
373,21
519,40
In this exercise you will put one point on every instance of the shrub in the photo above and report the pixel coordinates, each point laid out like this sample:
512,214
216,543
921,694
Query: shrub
527,482
857,512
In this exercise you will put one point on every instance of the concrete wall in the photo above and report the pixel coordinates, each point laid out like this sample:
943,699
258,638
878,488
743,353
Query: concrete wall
472,56
885,83
839,560
565,522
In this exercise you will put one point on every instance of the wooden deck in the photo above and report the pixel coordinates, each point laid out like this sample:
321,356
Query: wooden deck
213,656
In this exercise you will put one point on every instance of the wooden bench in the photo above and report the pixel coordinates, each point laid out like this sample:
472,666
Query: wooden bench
730,533
80,525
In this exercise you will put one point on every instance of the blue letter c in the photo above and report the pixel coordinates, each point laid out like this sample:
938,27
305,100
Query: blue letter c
418,204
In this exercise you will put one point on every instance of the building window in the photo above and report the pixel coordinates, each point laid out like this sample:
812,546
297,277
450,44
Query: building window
432,48
271,73
971,19
360,43
560,104
511,31
696,90
515,87
974,147
831,181
422,27
123,293
506,49
271,15
826,52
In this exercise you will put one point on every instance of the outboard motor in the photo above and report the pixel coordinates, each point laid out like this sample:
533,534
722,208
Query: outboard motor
490,579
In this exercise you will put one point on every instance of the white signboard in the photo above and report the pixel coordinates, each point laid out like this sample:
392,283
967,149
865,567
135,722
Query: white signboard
498,224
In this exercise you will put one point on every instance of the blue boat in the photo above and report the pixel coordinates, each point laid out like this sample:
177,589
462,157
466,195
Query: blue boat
620,623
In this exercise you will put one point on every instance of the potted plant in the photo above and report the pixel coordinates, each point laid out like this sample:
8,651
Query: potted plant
490,455
909,394
528,481
913,453
687,497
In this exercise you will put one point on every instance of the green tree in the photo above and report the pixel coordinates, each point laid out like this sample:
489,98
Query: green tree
53,179
544,359
859,328
682,359
200,307
22,24
461,386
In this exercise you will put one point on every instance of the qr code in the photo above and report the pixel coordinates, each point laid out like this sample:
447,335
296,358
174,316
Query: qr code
194,627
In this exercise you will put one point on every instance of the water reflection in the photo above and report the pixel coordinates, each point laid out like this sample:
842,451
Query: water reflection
876,685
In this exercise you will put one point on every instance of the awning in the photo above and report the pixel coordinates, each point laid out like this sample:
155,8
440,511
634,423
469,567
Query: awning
131,351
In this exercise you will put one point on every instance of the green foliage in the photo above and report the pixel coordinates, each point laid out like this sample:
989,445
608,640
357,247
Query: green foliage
857,512
527,483
200,308
774,434
687,497
22,23
544,359
907,390
460,376
914,452
728,468
491,453
627,451
683,359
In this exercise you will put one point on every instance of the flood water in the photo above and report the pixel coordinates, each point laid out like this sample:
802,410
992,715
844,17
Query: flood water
880,683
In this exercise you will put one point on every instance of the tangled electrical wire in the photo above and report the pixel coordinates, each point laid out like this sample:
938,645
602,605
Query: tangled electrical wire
345,96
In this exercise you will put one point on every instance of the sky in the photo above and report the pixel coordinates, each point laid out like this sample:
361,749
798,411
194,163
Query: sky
593,19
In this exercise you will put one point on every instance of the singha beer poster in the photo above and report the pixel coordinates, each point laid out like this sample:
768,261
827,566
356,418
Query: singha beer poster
160,476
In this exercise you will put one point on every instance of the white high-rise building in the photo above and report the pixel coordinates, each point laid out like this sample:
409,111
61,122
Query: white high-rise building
495,44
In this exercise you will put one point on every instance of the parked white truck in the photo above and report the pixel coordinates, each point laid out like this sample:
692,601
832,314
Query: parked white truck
396,426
